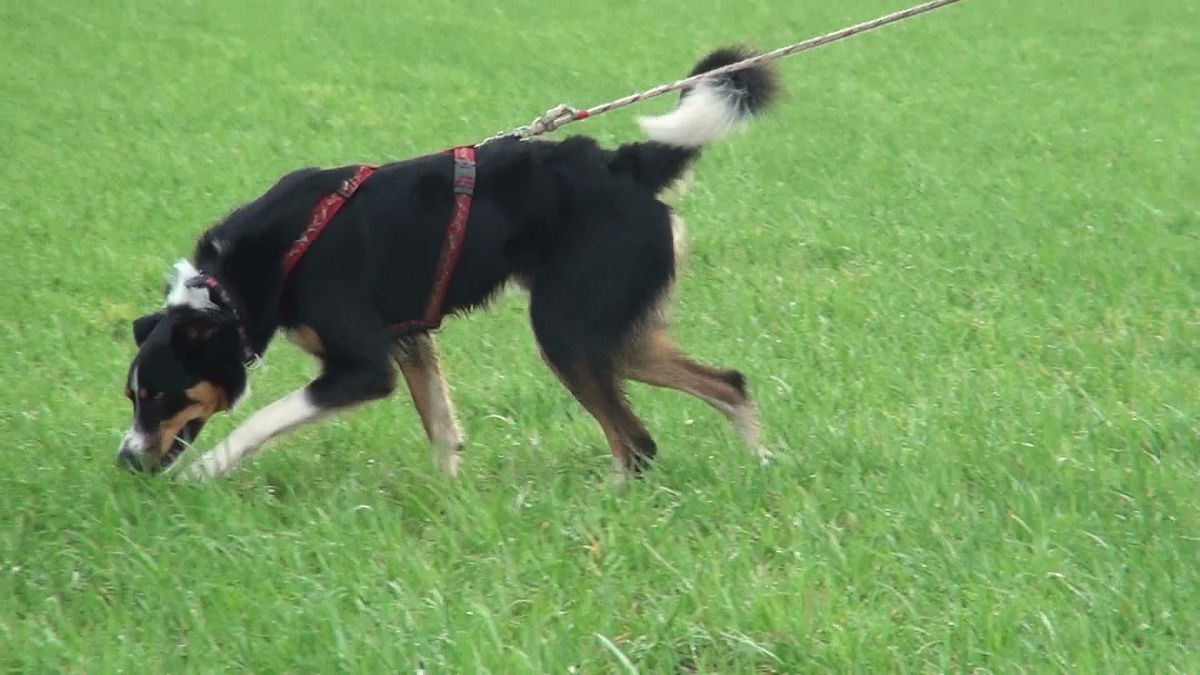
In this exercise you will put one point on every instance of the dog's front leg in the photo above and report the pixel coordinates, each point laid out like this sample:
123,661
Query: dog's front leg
279,417
332,392
418,360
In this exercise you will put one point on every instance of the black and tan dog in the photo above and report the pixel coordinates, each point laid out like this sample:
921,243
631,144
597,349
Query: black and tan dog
581,227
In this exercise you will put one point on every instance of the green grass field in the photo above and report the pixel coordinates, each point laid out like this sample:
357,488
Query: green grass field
960,264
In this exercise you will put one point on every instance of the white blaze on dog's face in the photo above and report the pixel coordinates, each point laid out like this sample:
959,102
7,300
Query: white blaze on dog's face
188,368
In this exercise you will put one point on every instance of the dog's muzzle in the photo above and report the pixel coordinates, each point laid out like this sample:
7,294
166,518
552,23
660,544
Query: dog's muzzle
135,455
130,461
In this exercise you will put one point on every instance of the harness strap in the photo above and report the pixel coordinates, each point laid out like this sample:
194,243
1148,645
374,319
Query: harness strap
456,232
322,213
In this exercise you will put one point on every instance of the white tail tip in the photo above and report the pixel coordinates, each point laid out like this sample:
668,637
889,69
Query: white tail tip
709,112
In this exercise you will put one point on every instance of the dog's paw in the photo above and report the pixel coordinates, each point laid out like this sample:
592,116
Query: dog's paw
621,475
764,455
447,458
194,473
449,464
207,467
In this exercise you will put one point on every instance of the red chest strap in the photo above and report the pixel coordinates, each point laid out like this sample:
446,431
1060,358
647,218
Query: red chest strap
456,232
322,213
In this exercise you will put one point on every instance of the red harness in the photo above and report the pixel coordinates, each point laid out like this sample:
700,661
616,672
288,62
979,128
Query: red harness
456,231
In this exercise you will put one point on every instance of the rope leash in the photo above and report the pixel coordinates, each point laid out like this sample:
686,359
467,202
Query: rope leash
562,114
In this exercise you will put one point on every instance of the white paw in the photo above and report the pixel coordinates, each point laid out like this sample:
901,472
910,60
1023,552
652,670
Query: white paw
447,460
620,474
212,464
765,456
195,472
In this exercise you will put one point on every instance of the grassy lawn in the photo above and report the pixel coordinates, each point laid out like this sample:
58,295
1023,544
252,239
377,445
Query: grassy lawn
960,265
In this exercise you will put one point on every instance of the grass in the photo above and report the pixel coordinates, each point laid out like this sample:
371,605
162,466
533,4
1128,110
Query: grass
960,265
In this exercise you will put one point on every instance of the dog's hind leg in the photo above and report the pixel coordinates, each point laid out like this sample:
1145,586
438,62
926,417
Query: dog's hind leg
418,361
596,387
584,363
654,359
598,282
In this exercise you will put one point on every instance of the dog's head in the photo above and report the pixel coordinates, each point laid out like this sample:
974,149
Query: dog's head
188,367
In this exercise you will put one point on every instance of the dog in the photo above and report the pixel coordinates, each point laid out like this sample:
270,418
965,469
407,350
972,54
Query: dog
580,227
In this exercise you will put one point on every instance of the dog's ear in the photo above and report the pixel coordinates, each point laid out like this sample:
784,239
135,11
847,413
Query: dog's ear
143,325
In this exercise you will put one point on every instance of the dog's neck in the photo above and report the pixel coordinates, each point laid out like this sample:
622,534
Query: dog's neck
253,286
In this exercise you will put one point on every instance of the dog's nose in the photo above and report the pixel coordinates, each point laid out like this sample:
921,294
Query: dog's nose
128,460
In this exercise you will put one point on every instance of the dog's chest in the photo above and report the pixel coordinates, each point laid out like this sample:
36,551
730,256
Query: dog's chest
307,339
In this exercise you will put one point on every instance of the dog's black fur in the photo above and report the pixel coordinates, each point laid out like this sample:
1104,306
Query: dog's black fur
581,227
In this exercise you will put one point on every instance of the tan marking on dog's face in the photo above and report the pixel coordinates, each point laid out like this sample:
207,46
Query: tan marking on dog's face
307,339
198,333
208,399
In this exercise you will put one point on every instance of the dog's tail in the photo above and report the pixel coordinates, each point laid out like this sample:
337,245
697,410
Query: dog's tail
715,106
706,112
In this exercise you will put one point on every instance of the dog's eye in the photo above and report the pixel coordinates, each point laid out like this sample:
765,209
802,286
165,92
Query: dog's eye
147,395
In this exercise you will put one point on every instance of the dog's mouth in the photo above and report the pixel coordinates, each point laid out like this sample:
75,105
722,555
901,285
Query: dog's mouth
183,441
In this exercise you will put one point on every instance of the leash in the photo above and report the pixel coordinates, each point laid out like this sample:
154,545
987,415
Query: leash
564,114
